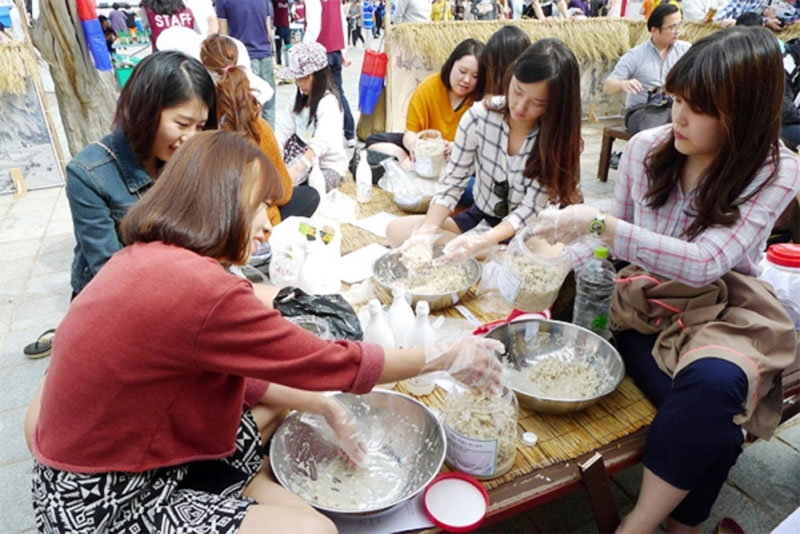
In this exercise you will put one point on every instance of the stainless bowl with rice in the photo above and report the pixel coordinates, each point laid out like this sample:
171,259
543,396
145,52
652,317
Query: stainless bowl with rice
557,367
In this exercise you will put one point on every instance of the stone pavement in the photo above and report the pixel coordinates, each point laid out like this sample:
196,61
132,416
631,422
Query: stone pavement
35,255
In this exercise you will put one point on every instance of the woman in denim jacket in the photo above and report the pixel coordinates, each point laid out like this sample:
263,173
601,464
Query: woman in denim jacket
168,98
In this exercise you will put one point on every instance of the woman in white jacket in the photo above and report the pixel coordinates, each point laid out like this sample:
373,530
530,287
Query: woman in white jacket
311,133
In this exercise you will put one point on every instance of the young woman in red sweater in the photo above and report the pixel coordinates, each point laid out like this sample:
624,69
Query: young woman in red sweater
151,364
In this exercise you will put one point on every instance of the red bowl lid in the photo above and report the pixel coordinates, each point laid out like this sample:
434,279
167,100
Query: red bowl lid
455,502
785,254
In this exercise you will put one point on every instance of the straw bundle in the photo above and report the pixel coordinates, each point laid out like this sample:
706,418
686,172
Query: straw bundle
17,63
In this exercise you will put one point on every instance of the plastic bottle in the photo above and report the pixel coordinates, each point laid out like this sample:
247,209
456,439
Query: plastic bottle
401,317
363,179
378,330
316,179
595,286
421,335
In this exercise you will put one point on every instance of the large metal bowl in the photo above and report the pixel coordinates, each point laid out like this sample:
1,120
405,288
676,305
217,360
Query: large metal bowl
389,272
406,450
527,343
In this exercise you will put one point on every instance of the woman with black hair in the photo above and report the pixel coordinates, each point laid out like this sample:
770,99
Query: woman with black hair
163,14
311,133
694,204
438,103
522,147
501,51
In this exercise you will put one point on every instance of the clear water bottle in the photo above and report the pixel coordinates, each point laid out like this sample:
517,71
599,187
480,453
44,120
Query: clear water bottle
595,286
363,179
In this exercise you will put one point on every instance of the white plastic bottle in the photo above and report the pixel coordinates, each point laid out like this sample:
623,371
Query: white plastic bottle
378,330
421,335
363,179
316,179
401,317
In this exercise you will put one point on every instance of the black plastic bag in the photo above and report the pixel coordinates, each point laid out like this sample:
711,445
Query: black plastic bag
333,309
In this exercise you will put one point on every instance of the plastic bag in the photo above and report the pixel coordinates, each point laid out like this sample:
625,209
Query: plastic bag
340,317
293,238
492,266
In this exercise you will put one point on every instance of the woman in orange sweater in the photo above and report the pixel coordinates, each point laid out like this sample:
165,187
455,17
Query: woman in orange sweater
238,111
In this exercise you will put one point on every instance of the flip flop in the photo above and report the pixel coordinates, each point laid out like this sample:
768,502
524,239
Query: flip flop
727,525
42,347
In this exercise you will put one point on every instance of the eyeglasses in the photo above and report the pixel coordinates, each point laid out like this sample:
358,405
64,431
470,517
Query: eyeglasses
672,27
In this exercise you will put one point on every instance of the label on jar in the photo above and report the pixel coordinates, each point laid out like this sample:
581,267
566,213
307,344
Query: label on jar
508,283
477,457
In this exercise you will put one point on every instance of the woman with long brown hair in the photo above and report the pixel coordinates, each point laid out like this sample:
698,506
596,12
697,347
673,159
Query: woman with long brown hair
150,366
523,149
694,203
238,111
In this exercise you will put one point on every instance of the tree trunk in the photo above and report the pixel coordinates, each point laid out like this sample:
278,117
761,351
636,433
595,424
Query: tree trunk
86,97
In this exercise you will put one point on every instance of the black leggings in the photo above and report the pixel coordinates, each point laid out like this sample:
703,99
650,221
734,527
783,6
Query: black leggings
304,202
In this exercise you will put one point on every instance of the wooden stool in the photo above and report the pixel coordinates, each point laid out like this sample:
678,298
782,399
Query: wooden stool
609,134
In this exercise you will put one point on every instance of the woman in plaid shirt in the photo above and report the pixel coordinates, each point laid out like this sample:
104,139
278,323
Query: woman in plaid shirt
694,201
522,148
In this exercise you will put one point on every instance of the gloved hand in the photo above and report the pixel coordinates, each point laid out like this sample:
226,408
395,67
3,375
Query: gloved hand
337,426
564,225
417,251
467,245
298,169
471,360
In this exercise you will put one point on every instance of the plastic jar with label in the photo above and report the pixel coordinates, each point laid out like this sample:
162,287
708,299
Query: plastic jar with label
532,272
481,429
781,268
429,154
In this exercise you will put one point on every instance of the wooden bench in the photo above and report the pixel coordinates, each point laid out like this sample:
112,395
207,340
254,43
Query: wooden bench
609,134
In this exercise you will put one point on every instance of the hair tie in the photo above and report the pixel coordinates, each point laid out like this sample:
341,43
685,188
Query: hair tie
228,67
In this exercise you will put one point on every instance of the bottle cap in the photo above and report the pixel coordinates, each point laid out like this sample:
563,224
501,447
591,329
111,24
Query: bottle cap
374,305
601,253
423,308
784,254
455,502
530,439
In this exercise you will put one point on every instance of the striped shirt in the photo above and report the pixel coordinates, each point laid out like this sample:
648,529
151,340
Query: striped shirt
480,149
654,239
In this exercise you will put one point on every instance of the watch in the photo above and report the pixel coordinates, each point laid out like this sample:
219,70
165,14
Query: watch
598,225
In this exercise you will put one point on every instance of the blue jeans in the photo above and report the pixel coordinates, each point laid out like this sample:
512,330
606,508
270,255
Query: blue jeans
264,69
791,135
335,63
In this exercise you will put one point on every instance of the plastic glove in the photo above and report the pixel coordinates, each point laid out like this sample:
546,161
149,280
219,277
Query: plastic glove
471,360
298,170
417,251
564,225
338,427
467,245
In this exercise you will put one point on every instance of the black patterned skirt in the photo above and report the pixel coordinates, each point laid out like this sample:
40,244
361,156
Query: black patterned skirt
196,498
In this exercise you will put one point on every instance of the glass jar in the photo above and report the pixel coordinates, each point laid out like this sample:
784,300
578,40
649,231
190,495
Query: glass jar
532,272
481,429
429,153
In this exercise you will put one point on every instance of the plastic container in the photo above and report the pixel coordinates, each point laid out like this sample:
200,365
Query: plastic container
481,431
363,179
594,289
401,317
429,154
378,330
532,272
781,268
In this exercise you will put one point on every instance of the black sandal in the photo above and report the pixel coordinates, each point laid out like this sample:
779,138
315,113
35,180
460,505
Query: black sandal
42,347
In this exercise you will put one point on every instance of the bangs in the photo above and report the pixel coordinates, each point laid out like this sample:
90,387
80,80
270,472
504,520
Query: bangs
696,82
261,182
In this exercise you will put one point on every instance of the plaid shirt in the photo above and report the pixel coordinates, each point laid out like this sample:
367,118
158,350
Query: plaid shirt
654,239
481,150
734,8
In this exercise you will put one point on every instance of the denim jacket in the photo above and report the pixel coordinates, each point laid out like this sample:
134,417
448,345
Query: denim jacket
103,181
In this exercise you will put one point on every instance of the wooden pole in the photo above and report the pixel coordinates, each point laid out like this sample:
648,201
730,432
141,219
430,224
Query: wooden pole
86,97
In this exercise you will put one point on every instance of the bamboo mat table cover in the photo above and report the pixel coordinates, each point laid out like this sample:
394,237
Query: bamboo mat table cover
615,425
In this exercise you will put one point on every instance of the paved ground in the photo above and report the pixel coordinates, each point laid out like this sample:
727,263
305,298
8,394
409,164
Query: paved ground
35,254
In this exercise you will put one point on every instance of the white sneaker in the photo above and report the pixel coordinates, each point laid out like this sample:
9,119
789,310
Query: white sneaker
351,143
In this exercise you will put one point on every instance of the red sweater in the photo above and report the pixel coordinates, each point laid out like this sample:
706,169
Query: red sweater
148,365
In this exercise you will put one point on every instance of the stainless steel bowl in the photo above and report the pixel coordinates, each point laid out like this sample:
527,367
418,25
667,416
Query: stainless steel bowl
389,272
529,341
406,450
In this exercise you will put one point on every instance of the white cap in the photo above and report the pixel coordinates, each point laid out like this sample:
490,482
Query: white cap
530,439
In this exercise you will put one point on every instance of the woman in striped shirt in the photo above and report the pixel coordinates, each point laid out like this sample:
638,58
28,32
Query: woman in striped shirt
694,203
